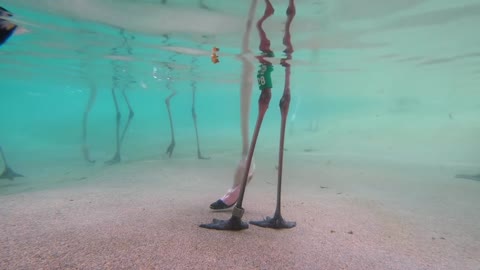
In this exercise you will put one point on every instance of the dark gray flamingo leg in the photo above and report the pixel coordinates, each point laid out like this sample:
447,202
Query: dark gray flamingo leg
116,157
8,173
171,147
91,101
131,114
194,116
277,222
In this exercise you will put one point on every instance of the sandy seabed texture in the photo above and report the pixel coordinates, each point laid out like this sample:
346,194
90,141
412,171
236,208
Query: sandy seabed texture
145,215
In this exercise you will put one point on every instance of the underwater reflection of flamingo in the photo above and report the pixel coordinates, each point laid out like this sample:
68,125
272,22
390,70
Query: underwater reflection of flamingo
193,85
265,85
8,173
171,146
168,99
173,93
119,139
121,78
86,113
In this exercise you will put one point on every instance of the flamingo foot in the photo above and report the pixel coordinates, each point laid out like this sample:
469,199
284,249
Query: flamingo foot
277,222
116,159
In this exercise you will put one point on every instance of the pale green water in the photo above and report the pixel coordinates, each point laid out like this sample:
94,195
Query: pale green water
385,80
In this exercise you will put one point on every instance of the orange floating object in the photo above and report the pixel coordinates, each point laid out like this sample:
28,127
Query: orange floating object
214,55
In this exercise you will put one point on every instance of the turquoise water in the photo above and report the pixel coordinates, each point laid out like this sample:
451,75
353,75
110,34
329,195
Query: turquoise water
383,118
381,79
385,107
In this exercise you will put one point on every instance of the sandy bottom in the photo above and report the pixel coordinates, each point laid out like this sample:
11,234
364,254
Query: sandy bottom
145,215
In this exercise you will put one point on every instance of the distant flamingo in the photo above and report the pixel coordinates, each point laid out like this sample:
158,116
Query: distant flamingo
264,80
193,85
169,67
121,79
168,99
86,113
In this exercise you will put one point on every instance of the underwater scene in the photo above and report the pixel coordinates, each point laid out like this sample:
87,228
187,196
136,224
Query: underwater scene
259,134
